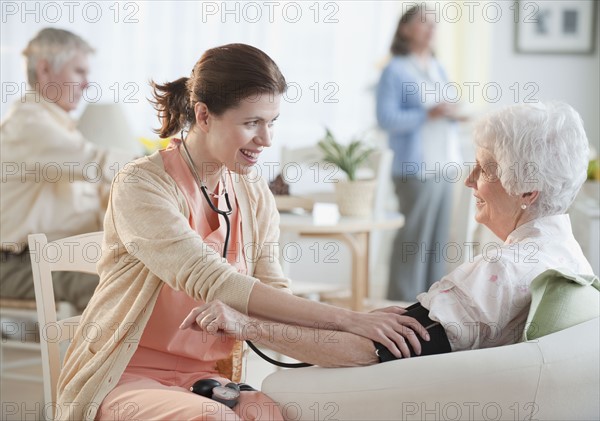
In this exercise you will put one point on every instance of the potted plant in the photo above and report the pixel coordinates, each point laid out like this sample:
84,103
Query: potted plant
354,196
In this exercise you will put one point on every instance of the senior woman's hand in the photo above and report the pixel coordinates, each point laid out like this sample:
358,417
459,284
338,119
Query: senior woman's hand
387,326
217,318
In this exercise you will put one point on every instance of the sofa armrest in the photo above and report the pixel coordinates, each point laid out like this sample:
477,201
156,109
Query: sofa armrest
493,383
570,377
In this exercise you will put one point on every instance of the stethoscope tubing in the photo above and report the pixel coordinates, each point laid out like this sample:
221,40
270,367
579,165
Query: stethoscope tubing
225,214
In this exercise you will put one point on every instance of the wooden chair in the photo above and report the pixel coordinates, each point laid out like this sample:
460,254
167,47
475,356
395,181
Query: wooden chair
75,254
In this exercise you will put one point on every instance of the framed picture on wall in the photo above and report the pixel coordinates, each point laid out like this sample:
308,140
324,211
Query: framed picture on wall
555,26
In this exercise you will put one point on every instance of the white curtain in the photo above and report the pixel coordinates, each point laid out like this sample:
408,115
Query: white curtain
331,53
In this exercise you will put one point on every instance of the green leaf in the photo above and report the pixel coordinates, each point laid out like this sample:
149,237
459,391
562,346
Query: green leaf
347,158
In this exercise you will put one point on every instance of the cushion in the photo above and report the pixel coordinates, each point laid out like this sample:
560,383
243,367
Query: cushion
561,299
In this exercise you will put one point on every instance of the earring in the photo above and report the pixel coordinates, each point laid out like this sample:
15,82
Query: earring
523,206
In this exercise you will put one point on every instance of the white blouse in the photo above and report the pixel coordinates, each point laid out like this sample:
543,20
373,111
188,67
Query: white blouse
438,136
484,303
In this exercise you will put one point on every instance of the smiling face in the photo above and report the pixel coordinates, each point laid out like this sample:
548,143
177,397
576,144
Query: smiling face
238,136
496,209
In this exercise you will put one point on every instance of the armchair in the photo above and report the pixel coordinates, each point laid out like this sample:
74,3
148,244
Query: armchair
556,377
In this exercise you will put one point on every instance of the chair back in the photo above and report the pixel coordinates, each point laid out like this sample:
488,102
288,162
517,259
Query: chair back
74,254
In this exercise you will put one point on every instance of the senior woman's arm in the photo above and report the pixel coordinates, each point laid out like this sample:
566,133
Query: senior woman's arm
322,347
318,346
143,198
266,303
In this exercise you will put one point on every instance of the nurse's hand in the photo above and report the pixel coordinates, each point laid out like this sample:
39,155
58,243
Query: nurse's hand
217,318
390,328
390,309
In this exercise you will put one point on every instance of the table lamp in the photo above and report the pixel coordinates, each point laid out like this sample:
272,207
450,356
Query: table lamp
105,124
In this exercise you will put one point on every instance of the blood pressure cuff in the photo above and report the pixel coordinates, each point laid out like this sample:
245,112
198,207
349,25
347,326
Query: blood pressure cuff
438,343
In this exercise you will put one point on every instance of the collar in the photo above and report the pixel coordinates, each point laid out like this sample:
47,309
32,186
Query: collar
546,225
63,118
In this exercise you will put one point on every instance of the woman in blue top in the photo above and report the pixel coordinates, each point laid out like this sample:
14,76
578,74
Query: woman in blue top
411,109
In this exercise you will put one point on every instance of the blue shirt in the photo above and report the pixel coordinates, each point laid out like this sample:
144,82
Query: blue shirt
402,113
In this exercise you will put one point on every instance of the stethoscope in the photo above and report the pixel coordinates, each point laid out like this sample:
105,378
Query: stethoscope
225,214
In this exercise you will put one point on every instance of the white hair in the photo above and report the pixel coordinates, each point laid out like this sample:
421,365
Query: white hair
57,46
538,147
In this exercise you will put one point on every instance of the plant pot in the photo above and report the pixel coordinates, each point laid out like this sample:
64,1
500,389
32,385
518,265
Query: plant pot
355,198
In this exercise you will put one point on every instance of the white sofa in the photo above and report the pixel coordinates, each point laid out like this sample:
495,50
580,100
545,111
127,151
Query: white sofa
556,377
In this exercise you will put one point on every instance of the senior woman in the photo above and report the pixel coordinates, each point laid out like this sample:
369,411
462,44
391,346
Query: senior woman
531,161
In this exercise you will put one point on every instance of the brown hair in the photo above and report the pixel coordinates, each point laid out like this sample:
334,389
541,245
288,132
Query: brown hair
221,79
401,45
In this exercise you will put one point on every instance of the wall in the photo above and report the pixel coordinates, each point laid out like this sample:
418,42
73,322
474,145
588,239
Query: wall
167,38
567,77
323,49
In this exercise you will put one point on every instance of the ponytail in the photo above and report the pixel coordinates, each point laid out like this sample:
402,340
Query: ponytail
221,79
172,102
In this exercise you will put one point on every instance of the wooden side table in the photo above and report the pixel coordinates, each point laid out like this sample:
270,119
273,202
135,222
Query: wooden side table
352,231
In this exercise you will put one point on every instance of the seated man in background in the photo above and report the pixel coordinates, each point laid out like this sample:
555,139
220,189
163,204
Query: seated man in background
54,181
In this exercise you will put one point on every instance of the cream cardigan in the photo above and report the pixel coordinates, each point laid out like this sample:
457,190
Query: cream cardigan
147,241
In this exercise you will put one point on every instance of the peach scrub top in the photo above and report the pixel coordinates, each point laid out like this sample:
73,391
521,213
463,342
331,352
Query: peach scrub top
163,346
177,358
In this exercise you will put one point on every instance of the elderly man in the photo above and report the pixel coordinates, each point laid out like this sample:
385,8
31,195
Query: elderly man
53,180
